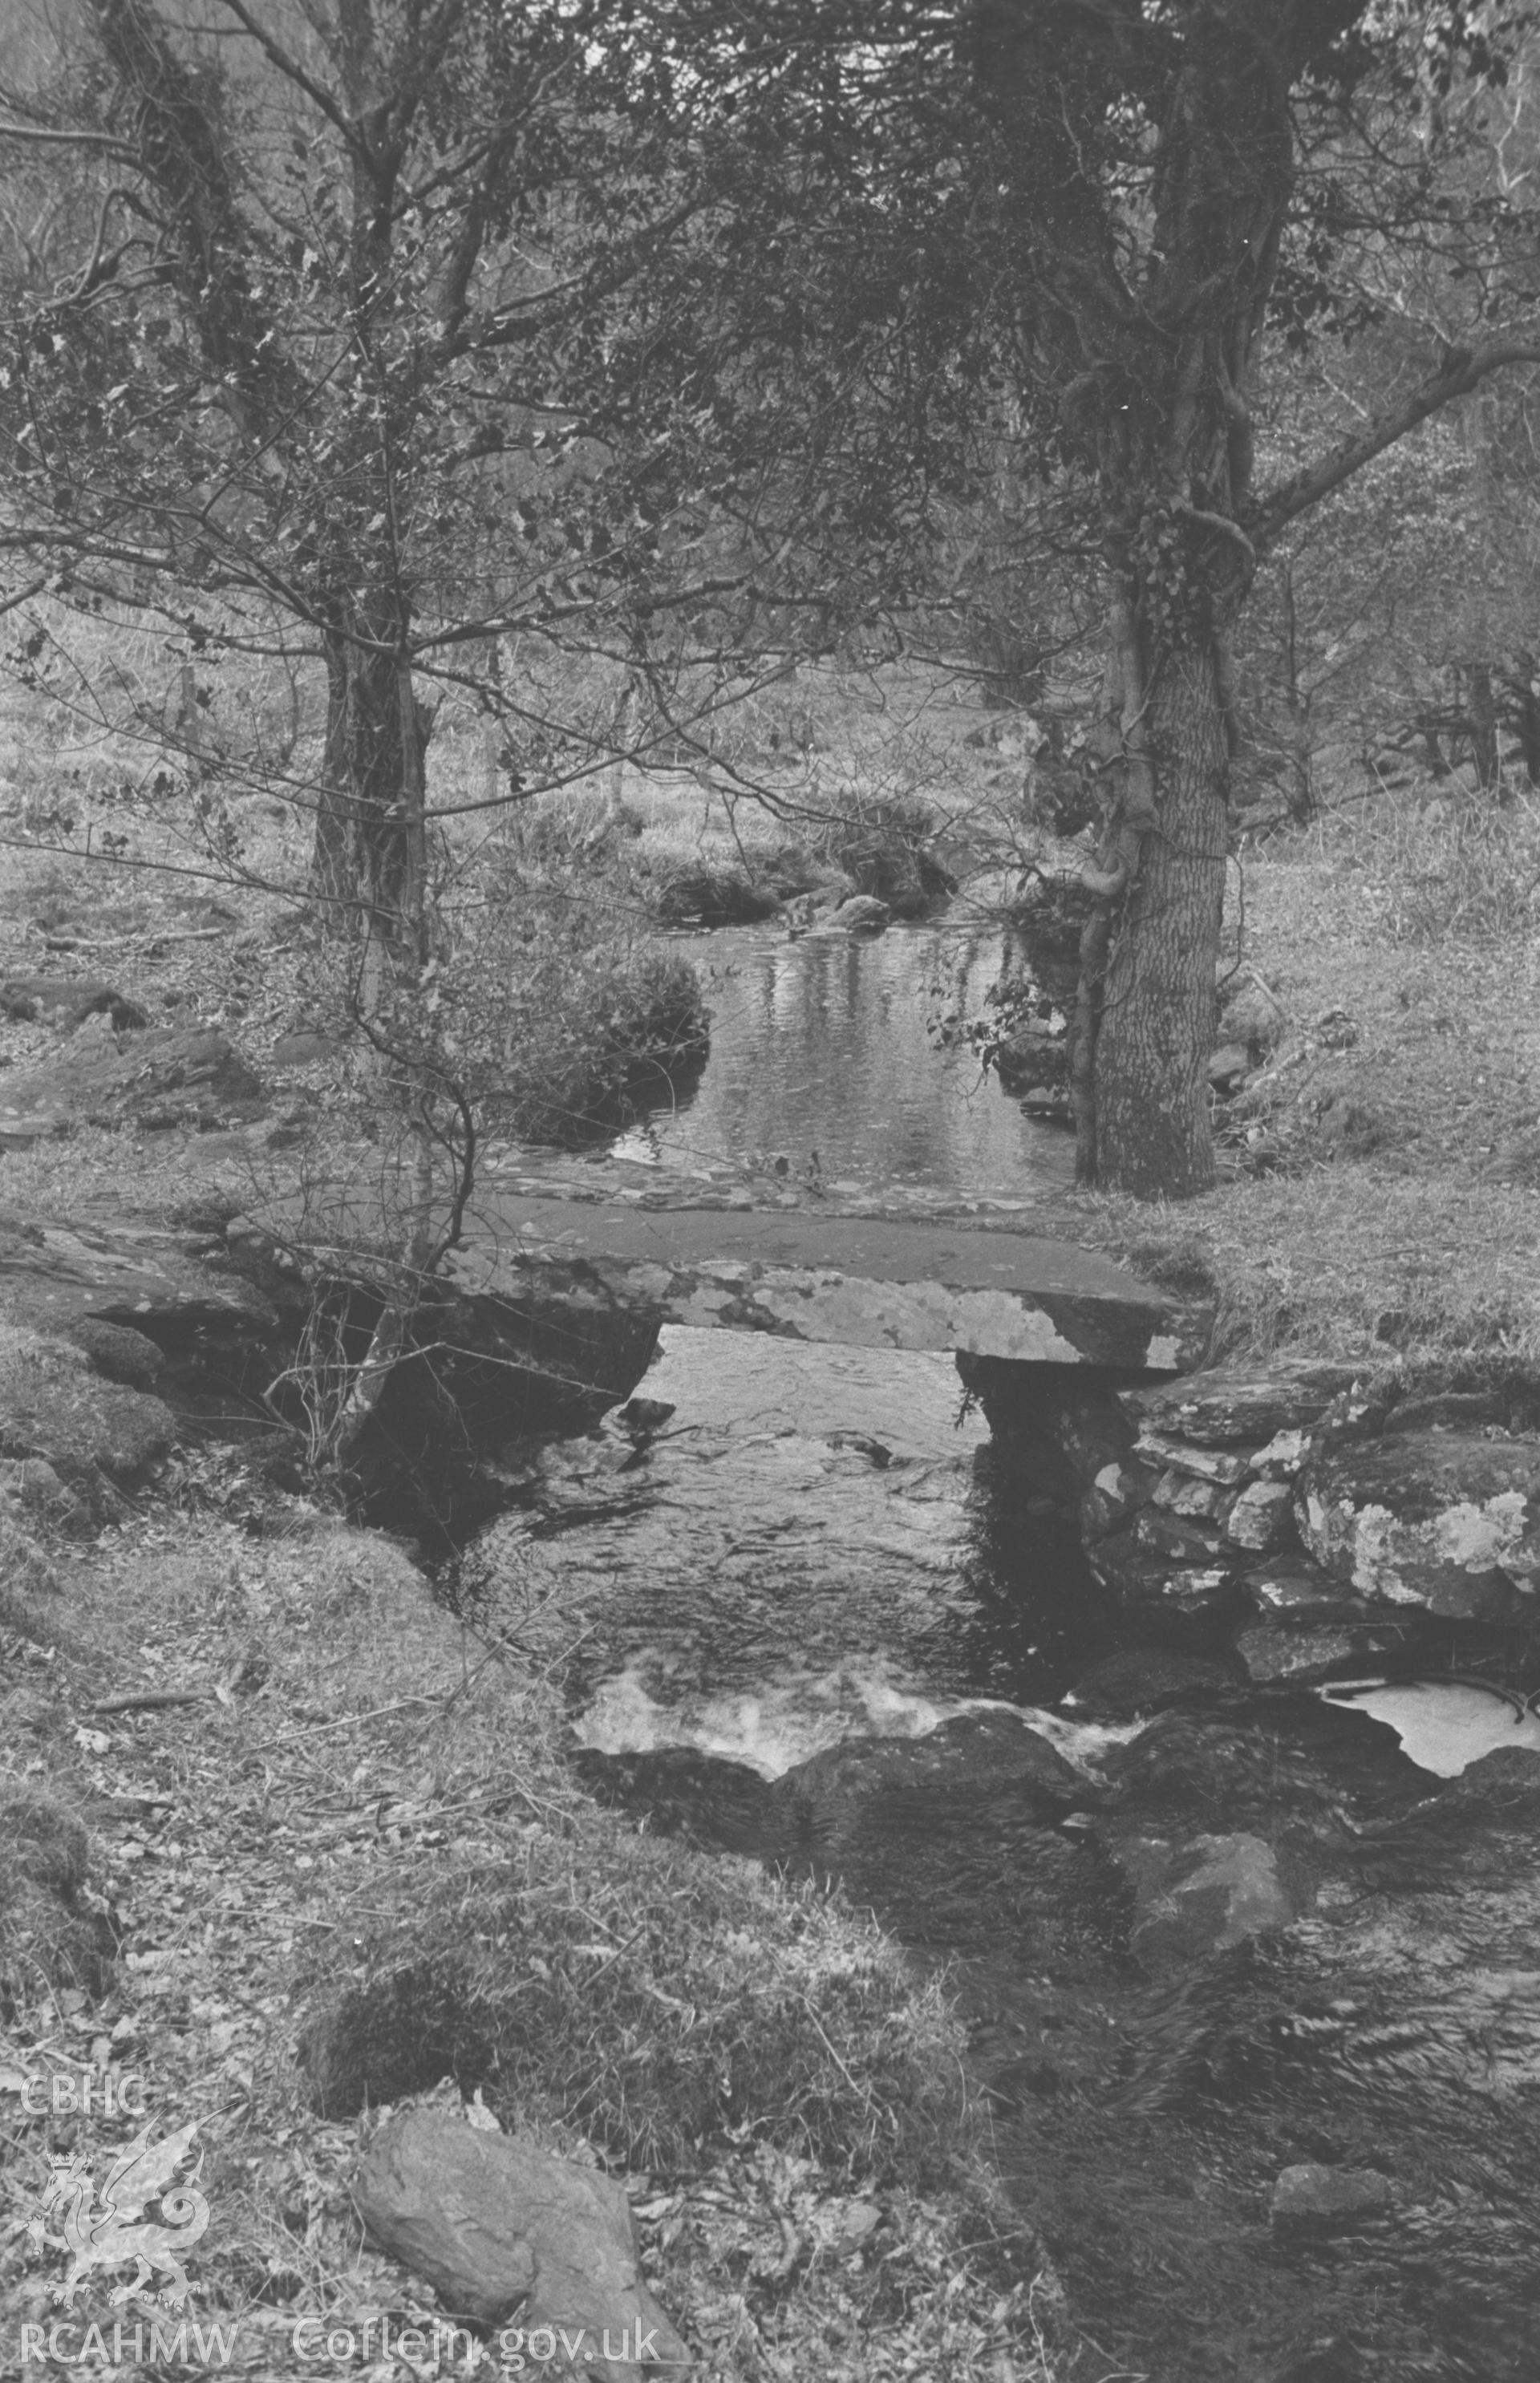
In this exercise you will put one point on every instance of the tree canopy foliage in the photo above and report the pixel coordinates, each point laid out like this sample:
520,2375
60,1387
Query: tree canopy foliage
400,329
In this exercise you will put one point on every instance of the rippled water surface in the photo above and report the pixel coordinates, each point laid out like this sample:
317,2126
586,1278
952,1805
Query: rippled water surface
824,1045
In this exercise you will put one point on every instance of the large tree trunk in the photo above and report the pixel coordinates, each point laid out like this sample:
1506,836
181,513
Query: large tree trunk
1156,1033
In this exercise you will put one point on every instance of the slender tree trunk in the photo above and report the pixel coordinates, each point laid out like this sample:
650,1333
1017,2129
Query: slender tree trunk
620,735
1301,792
1484,723
369,864
331,857
388,862
1157,1020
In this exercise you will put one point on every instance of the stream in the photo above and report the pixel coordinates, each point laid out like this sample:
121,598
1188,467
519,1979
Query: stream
806,1620
821,1054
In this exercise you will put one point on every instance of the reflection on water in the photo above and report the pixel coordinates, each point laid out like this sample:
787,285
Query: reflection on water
821,1046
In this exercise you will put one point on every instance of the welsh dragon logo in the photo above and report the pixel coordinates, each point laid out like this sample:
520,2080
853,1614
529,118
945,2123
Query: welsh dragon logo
109,2235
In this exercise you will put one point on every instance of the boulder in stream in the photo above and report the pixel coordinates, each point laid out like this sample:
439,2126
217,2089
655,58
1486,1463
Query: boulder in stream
863,914
1199,1897
1279,1657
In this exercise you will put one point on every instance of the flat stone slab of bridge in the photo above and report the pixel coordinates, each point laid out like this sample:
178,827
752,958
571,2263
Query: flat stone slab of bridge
867,1284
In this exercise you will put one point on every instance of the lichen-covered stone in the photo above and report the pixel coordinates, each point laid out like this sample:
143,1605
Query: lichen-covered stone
1444,1521
1181,1493
1295,1583
1206,1464
1144,1582
1185,1542
1282,1457
1115,1494
1233,1410
1261,1518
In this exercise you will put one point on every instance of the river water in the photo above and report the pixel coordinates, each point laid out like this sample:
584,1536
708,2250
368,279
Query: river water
807,1620
823,1053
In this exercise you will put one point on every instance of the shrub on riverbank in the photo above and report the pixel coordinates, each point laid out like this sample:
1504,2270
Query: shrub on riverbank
580,1033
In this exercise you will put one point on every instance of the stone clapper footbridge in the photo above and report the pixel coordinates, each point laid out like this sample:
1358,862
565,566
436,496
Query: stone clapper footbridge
548,1317
860,1282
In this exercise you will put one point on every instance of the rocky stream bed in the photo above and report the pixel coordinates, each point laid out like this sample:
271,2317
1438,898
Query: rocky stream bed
1060,1675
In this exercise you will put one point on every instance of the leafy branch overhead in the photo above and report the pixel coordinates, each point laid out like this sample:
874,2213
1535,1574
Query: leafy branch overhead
457,347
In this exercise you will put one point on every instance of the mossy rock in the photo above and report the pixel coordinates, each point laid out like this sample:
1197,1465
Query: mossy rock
53,1406
49,1934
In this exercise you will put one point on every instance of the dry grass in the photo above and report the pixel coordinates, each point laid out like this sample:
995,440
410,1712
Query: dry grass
1348,1260
1404,1219
374,1821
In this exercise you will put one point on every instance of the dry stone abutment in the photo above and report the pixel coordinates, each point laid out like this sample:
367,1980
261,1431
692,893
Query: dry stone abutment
1304,1521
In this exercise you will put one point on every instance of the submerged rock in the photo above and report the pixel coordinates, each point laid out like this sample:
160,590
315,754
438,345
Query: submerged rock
1312,2199
1146,1679
1196,1899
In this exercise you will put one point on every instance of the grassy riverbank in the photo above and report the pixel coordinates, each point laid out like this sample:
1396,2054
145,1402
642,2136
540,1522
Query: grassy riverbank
1401,1097
332,1796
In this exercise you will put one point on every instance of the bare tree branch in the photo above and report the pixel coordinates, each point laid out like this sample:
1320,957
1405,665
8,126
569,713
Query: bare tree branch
1460,373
